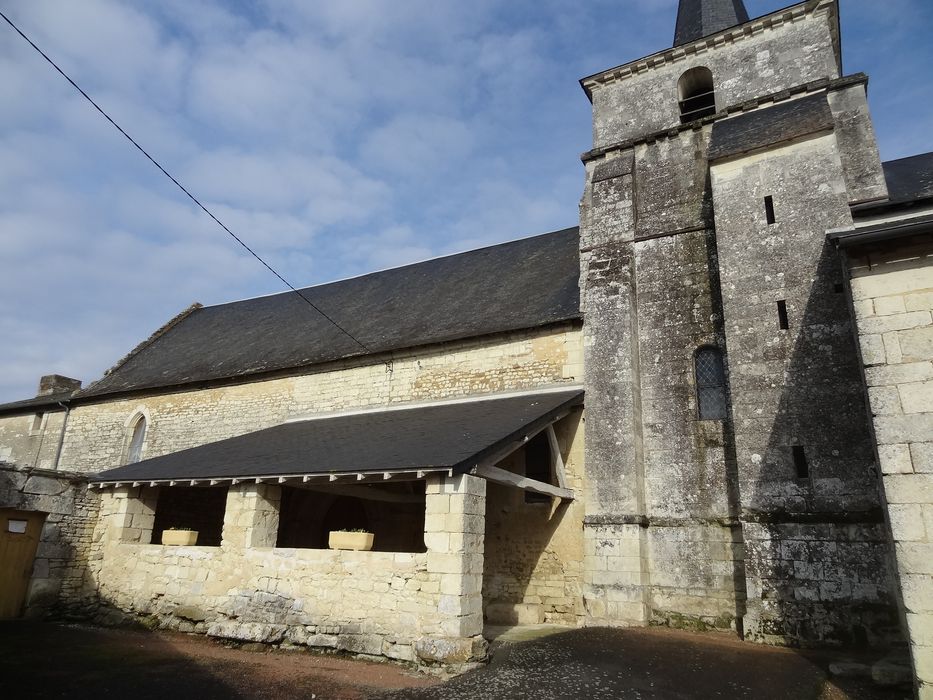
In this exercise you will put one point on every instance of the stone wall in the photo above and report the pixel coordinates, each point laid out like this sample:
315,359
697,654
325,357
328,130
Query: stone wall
59,580
644,98
533,569
97,433
892,293
30,439
803,439
414,607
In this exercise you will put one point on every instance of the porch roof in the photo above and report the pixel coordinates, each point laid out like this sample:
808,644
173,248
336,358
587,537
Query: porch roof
453,436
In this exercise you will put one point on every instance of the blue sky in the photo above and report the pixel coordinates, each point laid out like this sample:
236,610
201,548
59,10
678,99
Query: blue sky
335,136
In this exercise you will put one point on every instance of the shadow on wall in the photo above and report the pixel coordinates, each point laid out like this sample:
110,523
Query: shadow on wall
818,556
532,569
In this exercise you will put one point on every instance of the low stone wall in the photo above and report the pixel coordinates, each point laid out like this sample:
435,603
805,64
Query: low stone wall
366,602
414,607
59,580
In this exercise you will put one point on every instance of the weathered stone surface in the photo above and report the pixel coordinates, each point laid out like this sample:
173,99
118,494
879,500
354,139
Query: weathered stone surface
247,631
448,651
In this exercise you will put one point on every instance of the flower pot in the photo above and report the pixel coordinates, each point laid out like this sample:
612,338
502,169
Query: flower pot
179,537
360,541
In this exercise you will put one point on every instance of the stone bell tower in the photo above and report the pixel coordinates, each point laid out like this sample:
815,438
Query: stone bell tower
730,469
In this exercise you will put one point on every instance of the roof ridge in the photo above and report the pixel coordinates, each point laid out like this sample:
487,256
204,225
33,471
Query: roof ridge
915,155
159,332
397,267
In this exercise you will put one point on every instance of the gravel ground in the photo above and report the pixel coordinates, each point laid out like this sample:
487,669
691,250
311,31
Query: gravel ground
643,664
39,660
42,660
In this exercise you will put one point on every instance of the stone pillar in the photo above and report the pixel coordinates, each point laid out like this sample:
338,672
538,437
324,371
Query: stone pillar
128,513
251,518
454,533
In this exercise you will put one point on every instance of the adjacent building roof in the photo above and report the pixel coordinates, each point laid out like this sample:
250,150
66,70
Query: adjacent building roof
700,18
46,402
769,126
909,179
456,435
883,232
522,284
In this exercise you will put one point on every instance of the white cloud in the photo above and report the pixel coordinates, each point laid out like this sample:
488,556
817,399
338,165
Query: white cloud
335,136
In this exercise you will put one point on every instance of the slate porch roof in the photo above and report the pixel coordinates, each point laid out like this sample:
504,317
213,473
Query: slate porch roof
455,435
517,285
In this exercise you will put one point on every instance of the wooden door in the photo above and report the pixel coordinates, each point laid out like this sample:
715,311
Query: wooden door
19,537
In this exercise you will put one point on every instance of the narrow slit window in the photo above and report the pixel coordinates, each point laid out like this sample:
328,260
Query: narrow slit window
710,383
782,315
37,423
839,288
800,462
769,210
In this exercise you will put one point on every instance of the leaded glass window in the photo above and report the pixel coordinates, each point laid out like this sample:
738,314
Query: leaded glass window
710,384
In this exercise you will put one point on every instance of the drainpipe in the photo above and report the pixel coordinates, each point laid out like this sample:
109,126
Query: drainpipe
61,437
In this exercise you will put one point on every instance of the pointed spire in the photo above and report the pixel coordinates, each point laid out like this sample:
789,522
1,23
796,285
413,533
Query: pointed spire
699,18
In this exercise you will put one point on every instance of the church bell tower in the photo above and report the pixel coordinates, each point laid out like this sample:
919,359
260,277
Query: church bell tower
730,468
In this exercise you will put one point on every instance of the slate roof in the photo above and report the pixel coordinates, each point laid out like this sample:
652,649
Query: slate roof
456,435
700,18
49,401
768,126
909,179
521,284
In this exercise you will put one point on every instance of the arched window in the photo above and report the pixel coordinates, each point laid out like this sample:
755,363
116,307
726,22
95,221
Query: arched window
135,450
711,383
696,94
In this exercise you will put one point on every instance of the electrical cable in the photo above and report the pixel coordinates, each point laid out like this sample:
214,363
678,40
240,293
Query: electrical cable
180,186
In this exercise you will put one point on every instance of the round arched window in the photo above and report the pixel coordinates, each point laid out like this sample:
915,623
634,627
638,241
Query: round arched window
696,93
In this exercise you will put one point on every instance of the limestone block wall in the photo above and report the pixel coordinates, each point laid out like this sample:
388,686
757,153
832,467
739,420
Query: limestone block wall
424,607
892,294
661,538
59,579
30,439
533,569
97,433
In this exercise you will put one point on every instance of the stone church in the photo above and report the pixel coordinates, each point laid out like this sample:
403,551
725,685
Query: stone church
709,406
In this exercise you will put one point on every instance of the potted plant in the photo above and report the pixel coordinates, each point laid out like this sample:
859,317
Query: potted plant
358,539
179,536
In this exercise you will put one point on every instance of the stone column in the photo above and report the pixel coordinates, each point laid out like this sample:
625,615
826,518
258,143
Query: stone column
251,518
128,514
454,533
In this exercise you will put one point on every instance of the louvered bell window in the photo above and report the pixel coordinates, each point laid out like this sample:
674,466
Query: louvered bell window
710,384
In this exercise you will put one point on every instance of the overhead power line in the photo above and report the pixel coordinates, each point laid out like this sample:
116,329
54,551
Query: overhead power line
180,186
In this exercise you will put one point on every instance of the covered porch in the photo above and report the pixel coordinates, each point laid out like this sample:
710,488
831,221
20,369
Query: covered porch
264,504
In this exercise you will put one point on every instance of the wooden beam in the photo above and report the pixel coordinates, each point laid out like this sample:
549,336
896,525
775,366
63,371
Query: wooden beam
557,460
501,476
367,493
